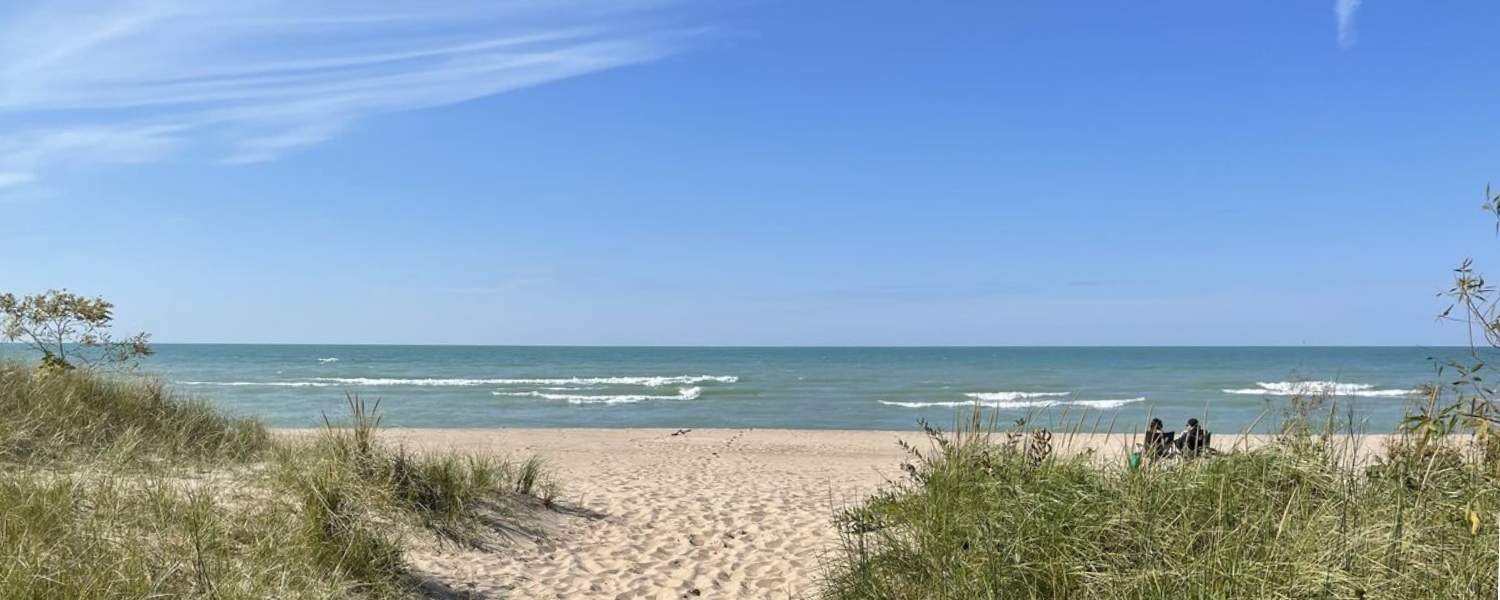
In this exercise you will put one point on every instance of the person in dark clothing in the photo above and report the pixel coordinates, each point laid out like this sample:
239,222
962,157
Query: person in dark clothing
1157,441
1194,439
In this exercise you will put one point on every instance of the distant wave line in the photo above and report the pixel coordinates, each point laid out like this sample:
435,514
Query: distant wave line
258,383
1319,388
554,383
652,381
1098,404
689,393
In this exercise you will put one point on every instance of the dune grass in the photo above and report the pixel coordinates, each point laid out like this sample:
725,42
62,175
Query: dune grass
88,538
119,489
981,518
450,494
78,415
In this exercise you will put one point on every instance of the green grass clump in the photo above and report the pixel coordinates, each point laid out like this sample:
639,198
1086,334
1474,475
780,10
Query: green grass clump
449,493
343,540
254,517
980,518
85,416
87,538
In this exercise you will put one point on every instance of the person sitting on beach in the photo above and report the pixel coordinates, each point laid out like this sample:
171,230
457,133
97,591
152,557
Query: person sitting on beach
1194,439
1157,441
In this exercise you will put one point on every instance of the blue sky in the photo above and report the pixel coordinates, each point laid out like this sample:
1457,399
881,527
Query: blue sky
751,172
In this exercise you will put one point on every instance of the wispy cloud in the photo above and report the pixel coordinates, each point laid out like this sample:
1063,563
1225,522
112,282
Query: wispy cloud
10,179
1345,10
111,81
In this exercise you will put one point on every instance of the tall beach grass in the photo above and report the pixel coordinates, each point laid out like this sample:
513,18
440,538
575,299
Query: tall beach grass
82,416
984,515
117,488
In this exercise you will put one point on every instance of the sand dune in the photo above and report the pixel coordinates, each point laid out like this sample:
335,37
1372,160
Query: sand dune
710,513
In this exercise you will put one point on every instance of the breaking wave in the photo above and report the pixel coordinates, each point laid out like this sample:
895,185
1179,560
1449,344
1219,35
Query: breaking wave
1017,403
558,381
688,393
1319,388
324,361
258,383
1008,396
561,383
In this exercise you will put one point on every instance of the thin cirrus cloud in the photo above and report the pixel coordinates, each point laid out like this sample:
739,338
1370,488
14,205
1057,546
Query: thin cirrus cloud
1345,10
109,81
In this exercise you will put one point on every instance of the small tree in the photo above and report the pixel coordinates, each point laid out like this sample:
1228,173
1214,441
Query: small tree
70,330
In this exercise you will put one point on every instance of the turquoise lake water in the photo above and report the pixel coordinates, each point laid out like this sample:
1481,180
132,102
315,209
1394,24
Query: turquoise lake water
818,388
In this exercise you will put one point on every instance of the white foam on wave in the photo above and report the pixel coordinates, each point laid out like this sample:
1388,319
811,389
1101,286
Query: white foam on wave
553,384
687,393
658,381
258,383
325,361
1008,396
1017,403
1319,388
395,381
1113,403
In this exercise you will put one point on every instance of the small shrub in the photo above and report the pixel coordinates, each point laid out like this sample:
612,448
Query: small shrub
69,331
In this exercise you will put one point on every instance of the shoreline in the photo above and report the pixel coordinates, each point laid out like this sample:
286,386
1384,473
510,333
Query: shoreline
867,443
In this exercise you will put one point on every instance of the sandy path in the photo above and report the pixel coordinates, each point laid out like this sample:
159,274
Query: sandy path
712,513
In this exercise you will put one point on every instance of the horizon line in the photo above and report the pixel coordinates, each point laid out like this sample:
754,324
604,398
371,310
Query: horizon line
807,346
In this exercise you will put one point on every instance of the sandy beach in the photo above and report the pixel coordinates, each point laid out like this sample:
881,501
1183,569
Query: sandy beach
709,513
715,513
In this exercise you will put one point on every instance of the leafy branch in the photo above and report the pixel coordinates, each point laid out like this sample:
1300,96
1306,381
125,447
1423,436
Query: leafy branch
1475,305
70,330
